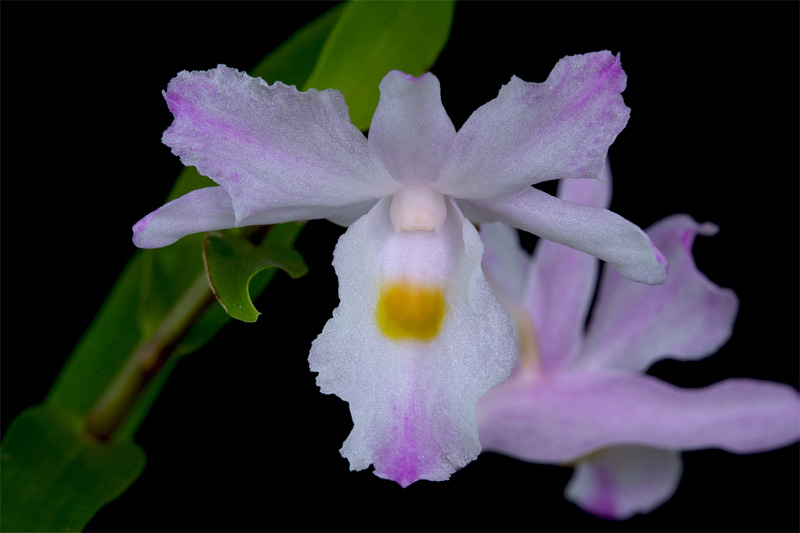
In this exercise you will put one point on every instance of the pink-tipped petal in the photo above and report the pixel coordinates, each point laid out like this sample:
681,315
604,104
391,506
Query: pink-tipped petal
622,481
410,132
412,398
280,153
571,414
688,317
592,230
533,132
201,210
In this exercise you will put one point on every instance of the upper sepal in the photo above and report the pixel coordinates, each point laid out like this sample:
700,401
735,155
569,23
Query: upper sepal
410,132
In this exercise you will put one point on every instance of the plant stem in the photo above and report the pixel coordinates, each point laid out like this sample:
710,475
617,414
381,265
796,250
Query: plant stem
114,405
130,383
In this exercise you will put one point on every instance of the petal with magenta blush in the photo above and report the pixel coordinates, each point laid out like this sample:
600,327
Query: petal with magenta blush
416,340
571,414
534,132
207,209
688,317
276,150
622,481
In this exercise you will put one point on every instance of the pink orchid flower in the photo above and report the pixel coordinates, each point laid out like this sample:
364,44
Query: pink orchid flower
418,336
580,396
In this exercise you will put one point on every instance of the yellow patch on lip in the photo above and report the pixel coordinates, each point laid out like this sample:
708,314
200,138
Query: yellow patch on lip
410,311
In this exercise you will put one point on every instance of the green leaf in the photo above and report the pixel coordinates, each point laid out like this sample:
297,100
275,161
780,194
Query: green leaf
54,477
112,336
372,38
294,60
231,262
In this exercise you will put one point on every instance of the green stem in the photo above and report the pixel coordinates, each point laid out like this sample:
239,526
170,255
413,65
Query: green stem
114,405
117,401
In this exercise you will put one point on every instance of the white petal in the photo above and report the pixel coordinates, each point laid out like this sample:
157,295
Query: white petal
201,210
593,230
410,132
412,391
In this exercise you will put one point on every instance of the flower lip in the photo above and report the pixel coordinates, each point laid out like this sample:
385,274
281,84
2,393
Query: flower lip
417,207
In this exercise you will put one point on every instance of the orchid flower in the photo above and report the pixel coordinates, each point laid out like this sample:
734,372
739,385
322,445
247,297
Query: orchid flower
582,397
418,336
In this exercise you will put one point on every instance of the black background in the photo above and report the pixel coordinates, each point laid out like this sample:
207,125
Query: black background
240,438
